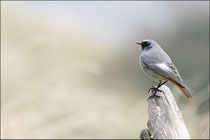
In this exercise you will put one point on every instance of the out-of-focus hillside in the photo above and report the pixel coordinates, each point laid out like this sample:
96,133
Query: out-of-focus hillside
70,69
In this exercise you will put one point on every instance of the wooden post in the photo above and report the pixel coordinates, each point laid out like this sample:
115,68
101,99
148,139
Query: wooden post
165,118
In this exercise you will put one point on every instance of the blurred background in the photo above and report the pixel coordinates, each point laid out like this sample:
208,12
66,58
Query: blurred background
70,69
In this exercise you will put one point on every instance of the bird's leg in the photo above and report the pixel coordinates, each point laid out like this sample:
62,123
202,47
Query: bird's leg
156,89
162,84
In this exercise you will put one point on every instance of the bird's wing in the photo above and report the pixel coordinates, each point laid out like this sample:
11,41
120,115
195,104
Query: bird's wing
167,70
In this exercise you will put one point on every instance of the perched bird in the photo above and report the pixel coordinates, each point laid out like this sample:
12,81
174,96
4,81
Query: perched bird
158,65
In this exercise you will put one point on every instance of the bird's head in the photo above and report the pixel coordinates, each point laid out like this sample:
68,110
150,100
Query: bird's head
147,44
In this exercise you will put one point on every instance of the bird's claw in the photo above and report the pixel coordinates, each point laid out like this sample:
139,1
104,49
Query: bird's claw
154,89
152,96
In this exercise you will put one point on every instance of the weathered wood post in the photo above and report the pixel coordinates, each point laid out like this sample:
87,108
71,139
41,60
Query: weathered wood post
165,118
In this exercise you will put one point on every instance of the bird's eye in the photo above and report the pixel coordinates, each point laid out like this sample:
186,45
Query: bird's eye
145,43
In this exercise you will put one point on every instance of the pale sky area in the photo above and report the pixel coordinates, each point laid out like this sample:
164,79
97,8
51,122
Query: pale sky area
113,20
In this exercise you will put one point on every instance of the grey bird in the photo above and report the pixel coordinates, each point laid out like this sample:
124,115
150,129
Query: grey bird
158,65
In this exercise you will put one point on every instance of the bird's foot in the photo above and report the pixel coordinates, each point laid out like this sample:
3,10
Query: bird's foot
154,89
152,96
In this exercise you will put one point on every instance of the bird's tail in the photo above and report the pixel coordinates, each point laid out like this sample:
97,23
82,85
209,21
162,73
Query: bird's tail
184,90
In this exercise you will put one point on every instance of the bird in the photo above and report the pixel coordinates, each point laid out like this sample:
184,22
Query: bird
155,62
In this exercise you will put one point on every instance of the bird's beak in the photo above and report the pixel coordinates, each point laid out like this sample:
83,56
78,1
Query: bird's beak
138,43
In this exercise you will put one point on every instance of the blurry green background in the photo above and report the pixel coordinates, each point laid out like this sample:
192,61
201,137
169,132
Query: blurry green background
70,69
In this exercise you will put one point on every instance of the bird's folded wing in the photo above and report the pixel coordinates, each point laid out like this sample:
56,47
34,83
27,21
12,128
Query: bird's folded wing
167,70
